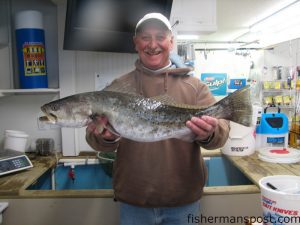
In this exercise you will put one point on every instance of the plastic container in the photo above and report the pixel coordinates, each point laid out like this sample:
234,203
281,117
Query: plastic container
280,199
241,141
16,140
272,130
106,160
30,39
44,146
279,155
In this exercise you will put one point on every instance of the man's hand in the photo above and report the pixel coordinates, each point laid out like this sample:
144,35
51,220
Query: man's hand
203,127
98,127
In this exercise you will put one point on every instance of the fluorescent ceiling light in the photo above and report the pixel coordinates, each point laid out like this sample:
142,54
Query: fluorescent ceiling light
281,36
276,6
281,19
187,37
280,26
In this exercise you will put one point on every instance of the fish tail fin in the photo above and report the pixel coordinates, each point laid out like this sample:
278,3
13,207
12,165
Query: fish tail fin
236,107
240,106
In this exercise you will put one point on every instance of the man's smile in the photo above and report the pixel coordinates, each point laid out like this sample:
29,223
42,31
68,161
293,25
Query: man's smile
153,52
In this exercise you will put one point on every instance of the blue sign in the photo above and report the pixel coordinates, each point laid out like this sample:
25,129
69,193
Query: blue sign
217,82
237,83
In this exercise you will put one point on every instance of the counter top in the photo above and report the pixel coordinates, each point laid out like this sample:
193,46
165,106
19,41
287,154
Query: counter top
14,185
255,169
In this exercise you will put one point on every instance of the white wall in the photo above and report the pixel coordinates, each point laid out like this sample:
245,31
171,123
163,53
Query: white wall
5,74
21,112
284,54
5,59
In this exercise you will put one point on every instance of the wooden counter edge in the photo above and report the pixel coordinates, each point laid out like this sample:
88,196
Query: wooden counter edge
99,193
230,190
108,193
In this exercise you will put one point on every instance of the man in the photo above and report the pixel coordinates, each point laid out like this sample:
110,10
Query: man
160,182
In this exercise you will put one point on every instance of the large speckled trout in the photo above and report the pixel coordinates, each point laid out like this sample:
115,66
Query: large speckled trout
144,119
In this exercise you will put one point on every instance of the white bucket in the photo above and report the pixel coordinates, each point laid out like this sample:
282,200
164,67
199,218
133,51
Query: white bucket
15,140
241,141
280,205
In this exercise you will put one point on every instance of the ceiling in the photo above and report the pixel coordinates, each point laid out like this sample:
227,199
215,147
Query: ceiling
234,17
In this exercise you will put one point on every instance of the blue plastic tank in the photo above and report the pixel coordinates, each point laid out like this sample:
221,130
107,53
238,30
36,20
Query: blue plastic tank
272,130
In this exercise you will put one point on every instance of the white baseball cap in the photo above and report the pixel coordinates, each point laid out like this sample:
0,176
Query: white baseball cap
154,16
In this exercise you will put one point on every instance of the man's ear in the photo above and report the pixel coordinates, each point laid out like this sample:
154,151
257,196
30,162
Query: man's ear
172,42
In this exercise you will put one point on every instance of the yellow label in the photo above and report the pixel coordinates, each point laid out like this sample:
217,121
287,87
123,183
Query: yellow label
267,85
277,85
286,100
277,100
34,59
268,100
298,84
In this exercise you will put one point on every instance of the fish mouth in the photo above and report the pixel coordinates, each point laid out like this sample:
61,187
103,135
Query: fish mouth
44,119
48,117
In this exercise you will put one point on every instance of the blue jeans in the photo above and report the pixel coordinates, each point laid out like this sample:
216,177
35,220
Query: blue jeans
182,215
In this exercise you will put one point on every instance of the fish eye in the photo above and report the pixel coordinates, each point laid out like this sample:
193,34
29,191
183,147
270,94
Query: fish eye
54,107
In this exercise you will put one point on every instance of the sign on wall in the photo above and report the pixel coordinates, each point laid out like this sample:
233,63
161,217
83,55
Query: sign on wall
217,82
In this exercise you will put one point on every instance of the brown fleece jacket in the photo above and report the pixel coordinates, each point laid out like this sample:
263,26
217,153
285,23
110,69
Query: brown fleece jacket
165,173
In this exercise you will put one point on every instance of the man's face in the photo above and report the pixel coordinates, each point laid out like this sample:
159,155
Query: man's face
153,44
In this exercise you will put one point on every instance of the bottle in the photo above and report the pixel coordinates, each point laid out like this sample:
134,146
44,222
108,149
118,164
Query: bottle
30,40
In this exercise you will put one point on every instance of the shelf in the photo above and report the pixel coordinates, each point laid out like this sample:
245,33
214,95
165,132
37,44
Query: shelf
281,107
277,90
5,92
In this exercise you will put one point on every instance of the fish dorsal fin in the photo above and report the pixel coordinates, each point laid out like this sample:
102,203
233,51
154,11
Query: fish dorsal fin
169,101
